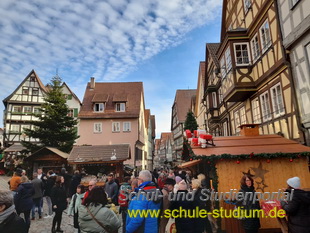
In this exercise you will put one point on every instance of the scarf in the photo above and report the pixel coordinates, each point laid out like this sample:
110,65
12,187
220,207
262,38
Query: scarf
5,214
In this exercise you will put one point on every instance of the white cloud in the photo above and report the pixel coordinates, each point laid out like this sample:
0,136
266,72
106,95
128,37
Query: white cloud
105,39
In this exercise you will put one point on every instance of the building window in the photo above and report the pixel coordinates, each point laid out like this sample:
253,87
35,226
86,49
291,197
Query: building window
70,113
68,96
120,107
237,121
265,105
220,95
225,129
256,111
35,91
97,127
25,91
242,54
255,48
98,107
126,127
247,5
116,127
27,109
240,118
36,110
214,100
228,60
17,109
277,100
265,36
15,128
223,67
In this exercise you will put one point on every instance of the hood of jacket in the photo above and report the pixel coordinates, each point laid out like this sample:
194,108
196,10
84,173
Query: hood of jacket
83,213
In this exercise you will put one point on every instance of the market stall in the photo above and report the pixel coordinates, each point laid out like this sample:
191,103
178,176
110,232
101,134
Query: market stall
100,160
269,159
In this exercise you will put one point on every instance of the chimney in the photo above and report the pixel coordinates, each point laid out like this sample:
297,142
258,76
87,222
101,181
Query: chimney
249,130
92,83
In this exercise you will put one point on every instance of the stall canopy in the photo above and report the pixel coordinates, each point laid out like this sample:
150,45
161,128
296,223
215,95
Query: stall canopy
47,153
237,145
99,154
190,163
15,148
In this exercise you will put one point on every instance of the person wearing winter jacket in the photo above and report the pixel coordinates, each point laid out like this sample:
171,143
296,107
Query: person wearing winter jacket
49,184
75,202
59,202
23,199
298,209
94,216
168,188
111,189
249,224
10,222
37,196
183,224
147,224
15,180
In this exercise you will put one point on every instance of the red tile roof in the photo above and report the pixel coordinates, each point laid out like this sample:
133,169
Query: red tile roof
236,145
183,100
129,92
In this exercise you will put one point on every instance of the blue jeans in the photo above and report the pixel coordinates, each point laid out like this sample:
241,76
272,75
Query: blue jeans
36,203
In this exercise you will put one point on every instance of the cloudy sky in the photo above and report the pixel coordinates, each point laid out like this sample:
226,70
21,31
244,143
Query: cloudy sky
158,42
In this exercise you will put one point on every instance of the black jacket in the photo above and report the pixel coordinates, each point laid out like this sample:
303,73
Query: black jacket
76,180
248,205
298,210
23,197
49,183
184,225
202,224
13,224
59,197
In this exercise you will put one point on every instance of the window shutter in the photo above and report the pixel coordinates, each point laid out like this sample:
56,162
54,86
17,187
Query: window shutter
70,97
75,112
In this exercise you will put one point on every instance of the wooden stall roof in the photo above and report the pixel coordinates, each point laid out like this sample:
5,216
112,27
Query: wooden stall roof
14,148
45,151
190,163
99,154
236,145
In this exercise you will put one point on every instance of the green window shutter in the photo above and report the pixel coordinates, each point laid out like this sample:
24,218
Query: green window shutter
1,156
75,112
70,97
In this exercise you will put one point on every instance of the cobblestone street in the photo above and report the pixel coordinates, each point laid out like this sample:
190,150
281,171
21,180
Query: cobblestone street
44,225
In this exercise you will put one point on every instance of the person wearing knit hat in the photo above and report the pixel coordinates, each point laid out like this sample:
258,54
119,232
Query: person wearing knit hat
182,185
178,179
298,207
294,182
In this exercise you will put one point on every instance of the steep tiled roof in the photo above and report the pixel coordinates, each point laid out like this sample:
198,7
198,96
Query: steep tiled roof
101,153
129,92
212,49
237,145
183,100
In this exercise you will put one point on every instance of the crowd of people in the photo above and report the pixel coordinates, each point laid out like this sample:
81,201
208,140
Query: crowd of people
93,207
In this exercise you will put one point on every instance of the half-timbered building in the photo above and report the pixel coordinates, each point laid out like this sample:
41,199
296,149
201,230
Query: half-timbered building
251,82
21,107
295,28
